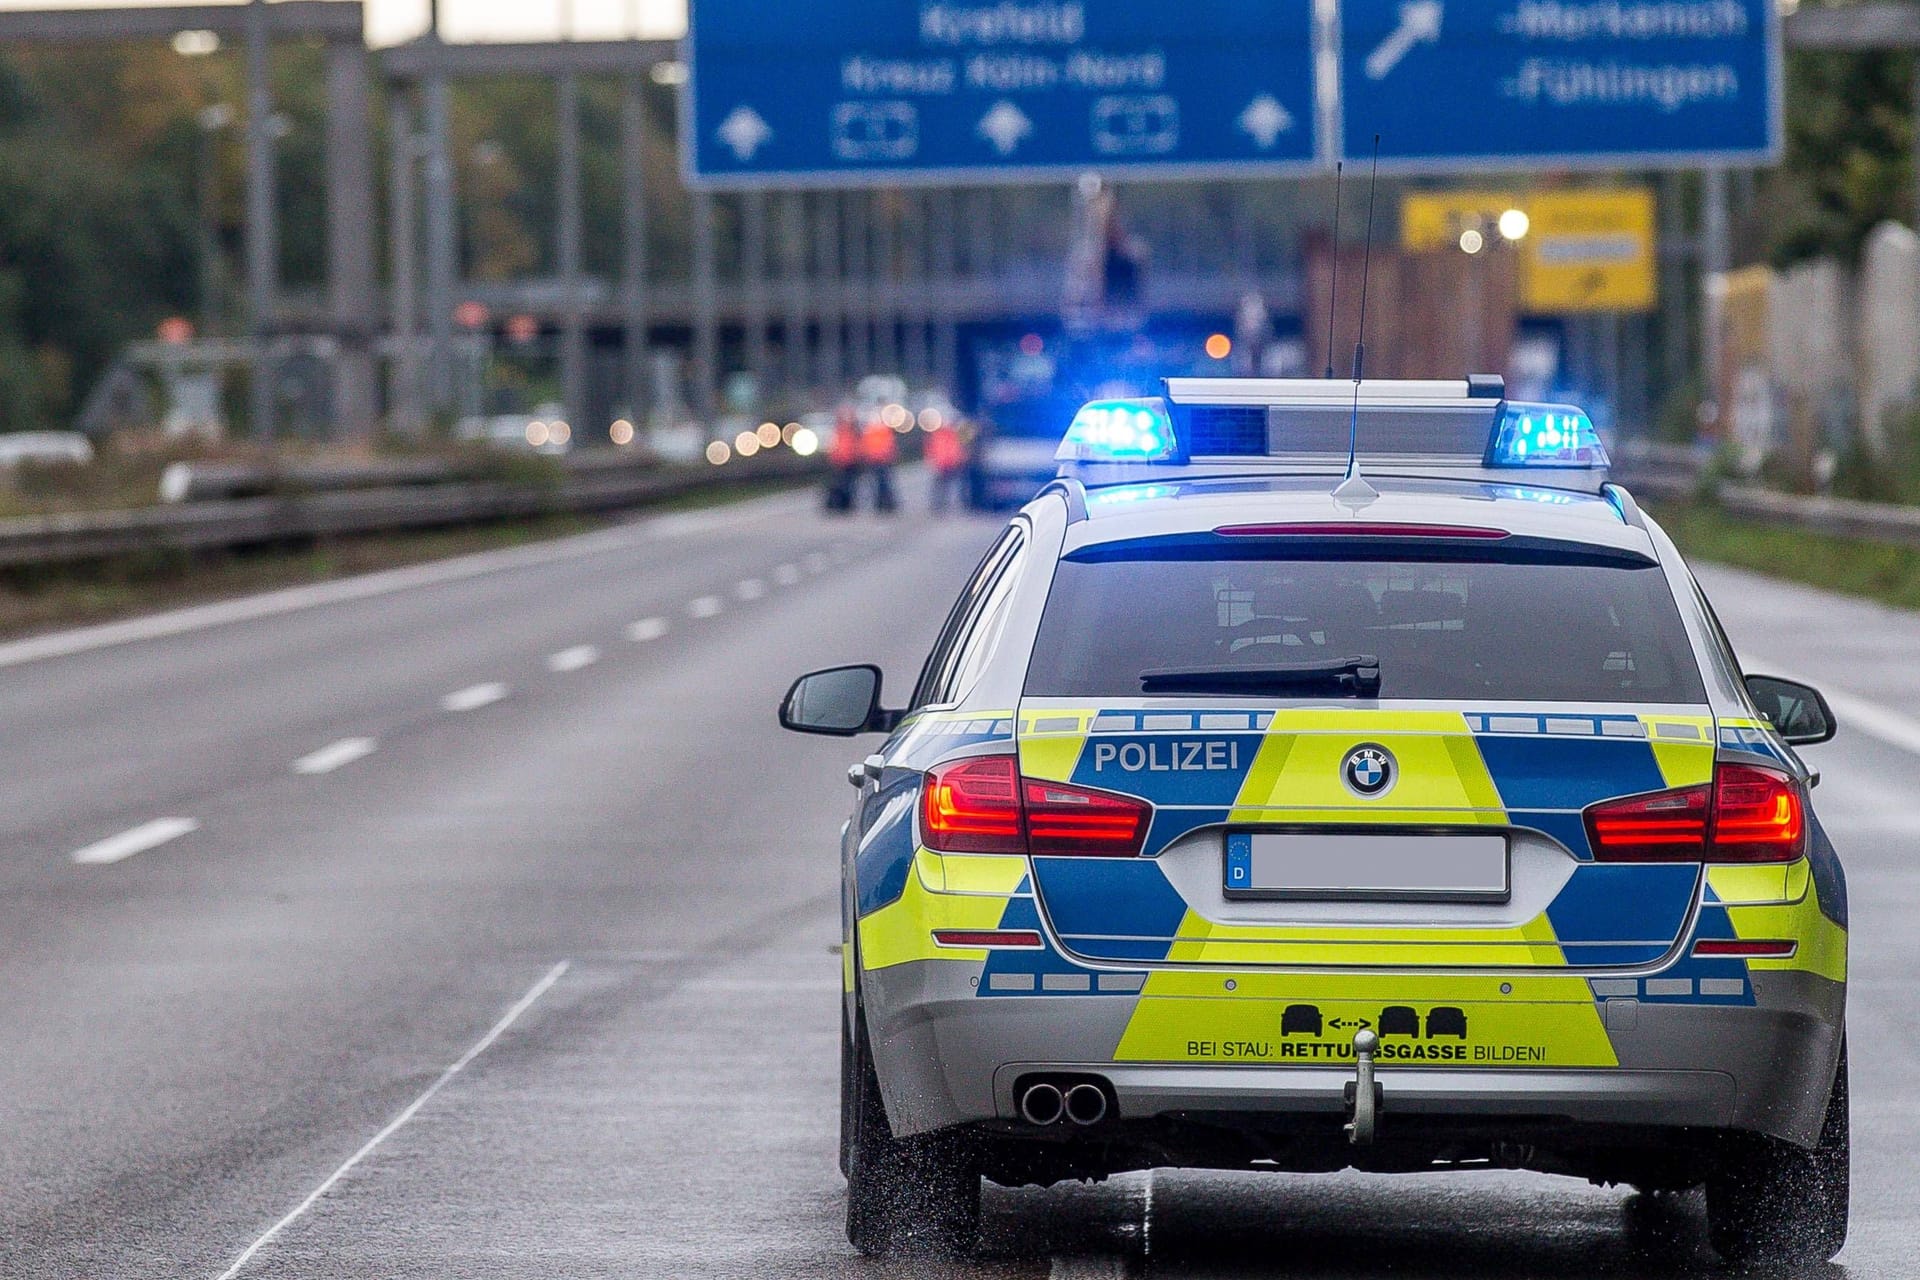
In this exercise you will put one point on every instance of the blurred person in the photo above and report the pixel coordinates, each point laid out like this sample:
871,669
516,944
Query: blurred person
879,448
947,458
844,449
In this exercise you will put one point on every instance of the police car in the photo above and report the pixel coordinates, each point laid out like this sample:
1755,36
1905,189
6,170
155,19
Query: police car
1314,778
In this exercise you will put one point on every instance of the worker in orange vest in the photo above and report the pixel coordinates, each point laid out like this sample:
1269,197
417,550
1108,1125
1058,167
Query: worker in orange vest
879,447
947,458
843,452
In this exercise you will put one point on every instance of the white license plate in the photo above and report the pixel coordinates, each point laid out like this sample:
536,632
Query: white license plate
1363,866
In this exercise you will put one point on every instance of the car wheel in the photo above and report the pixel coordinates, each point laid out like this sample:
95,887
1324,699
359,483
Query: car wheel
917,1195
1773,1204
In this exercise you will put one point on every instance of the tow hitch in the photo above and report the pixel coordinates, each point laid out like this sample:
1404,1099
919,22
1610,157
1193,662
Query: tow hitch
1364,1098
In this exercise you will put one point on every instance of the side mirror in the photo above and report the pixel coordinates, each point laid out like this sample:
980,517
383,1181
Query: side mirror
1797,710
840,701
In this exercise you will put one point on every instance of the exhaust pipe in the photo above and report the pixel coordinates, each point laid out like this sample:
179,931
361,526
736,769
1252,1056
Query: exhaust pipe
1086,1104
1041,1104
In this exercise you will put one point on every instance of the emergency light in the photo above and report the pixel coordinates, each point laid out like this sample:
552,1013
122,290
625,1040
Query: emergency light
1120,431
1546,435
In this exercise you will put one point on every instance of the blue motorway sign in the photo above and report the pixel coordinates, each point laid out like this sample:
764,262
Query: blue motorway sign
817,92
1453,84
821,91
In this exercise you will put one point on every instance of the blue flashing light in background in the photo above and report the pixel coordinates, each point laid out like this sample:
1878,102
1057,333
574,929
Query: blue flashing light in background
1131,493
1119,431
1546,435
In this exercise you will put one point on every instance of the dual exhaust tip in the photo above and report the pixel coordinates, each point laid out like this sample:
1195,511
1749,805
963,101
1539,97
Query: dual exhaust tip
1045,1102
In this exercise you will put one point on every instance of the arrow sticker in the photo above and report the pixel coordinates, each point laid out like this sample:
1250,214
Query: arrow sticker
745,131
1419,24
1265,120
1005,126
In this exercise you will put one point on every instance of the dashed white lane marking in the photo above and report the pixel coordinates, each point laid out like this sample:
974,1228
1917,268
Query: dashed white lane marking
148,835
704,607
816,563
480,1046
787,574
647,629
751,589
473,697
574,659
1854,711
335,756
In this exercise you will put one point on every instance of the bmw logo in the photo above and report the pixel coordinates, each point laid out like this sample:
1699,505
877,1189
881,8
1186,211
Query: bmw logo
1369,771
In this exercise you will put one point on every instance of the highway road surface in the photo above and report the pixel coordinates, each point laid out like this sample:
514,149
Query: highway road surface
475,920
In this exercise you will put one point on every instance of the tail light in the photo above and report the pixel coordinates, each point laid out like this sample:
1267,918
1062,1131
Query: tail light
973,806
983,805
1747,814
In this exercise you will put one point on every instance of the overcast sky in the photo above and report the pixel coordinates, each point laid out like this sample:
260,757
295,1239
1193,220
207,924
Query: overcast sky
389,21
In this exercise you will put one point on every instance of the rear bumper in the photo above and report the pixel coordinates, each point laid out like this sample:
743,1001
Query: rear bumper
947,1055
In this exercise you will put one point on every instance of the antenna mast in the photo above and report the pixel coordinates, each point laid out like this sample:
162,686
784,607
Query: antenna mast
1333,286
1354,490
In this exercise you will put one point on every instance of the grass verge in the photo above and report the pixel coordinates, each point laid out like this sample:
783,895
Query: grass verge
1852,566
49,597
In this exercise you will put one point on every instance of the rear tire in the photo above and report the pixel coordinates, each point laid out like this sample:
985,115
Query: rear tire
915,1196
1773,1204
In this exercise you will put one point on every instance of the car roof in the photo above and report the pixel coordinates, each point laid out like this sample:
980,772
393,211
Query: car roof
1164,507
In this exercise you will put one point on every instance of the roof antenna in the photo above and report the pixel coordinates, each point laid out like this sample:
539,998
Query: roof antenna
1333,288
1354,492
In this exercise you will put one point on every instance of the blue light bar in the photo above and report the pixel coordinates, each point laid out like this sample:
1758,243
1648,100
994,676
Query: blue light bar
1546,435
1120,431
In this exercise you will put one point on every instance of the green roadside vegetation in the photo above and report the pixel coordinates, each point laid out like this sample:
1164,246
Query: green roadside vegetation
48,597
1853,566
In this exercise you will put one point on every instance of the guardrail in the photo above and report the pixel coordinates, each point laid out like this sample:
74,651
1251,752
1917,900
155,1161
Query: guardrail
1678,472
590,485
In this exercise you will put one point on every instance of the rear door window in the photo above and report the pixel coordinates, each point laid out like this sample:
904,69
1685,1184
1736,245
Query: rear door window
1468,629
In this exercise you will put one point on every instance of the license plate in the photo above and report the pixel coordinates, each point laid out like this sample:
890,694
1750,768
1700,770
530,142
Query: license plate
1363,866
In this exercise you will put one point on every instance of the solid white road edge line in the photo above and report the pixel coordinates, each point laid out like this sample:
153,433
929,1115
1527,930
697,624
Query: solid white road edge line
574,659
272,604
1852,710
335,756
705,607
148,835
647,629
473,697
480,1046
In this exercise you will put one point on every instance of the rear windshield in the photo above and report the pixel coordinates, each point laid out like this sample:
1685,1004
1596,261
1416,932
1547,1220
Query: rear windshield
1454,630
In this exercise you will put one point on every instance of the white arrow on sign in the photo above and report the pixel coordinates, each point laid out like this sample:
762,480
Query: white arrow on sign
745,131
1265,120
1005,126
1419,24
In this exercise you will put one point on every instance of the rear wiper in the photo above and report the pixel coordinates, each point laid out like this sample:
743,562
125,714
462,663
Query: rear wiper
1354,678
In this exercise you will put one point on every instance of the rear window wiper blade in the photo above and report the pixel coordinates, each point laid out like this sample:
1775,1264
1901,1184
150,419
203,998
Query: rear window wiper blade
1357,677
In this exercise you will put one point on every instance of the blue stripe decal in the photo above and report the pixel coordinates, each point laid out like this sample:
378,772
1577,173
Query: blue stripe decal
1621,914
885,858
1194,769
1568,773
1121,908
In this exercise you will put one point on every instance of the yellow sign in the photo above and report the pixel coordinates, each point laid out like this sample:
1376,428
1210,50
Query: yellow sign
1581,249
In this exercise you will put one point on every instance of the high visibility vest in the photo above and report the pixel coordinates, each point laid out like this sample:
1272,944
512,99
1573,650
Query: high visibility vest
878,445
945,450
844,450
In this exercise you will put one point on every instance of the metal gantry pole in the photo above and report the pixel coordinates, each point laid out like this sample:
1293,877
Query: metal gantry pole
884,288
793,279
573,332
442,240
263,240
829,294
706,337
403,224
859,275
351,243
753,286
915,308
633,212
946,271
1714,258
